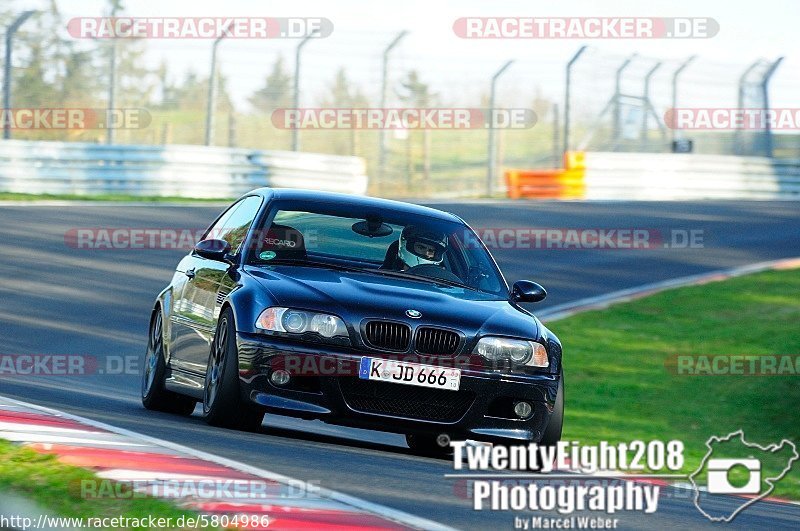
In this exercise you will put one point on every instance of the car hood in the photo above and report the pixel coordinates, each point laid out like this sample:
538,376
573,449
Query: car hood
358,296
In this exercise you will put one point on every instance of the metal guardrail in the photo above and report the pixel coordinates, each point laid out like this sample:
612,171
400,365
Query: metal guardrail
175,170
653,176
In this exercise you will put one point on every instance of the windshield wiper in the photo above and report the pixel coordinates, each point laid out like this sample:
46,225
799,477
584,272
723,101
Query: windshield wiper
308,263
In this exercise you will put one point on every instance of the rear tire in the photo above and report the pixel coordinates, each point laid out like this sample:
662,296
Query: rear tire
552,434
222,403
154,396
427,445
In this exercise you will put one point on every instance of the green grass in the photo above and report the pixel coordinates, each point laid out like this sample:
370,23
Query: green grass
56,487
14,196
620,389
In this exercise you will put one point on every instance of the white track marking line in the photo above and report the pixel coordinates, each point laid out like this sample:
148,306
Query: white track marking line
56,439
124,474
600,302
38,428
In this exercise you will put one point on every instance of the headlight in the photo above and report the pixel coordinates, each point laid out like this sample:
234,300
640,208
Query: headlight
278,319
327,325
517,351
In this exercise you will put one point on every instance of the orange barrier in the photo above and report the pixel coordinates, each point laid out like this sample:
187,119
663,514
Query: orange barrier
556,183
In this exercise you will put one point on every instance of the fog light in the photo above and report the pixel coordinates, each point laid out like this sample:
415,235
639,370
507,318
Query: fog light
523,409
279,377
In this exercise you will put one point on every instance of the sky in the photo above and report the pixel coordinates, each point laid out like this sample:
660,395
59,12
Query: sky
455,66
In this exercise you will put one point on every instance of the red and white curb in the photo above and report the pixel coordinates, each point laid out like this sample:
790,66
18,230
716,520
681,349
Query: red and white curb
153,465
601,302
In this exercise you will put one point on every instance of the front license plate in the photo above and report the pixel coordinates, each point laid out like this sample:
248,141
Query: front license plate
409,373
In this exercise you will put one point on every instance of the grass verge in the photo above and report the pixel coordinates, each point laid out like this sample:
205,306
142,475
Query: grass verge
56,488
620,387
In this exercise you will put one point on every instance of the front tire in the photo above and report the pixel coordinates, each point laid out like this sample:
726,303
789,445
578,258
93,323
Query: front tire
222,403
154,396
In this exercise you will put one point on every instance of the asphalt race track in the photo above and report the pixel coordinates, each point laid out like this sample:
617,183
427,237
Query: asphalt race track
60,300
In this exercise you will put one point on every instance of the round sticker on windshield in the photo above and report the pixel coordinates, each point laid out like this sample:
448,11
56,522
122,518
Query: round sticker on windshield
267,255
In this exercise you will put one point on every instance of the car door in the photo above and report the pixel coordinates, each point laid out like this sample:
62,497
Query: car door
213,280
186,333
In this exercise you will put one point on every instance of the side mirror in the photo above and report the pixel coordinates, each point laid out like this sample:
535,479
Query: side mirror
527,291
218,250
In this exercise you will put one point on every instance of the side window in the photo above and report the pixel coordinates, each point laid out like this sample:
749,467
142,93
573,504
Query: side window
233,228
217,229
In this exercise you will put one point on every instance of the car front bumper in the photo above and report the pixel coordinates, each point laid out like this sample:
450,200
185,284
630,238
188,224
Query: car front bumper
325,385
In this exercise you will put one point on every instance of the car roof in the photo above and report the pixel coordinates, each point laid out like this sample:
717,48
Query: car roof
358,201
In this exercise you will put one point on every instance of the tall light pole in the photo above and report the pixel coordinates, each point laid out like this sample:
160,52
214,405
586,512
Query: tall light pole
10,31
384,96
296,95
490,174
212,88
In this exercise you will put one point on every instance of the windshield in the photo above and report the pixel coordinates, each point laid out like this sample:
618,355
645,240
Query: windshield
379,242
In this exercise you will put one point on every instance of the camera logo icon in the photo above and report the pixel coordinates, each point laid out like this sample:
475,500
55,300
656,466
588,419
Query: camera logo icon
718,476
749,474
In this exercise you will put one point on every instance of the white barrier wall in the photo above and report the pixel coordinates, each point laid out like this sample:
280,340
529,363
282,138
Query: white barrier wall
184,171
668,176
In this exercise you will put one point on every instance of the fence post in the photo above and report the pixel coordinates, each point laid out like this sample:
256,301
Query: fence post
490,174
616,98
678,71
384,96
738,140
646,103
567,95
557,157
296,96
10,31
768,147
212,89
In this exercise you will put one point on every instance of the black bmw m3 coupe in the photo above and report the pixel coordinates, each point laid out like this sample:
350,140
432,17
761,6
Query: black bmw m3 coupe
356,311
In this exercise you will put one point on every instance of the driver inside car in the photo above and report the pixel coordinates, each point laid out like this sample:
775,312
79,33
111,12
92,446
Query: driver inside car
418,246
